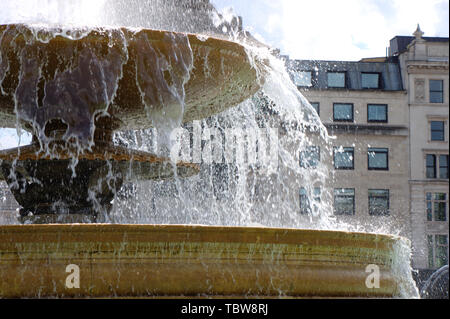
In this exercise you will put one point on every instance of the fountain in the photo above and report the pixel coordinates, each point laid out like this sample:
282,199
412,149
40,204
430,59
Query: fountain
72,88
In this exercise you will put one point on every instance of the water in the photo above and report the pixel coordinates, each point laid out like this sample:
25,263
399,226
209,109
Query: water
249,155
250,173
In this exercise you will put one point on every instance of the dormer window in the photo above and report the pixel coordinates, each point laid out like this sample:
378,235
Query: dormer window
370,80
303,78
336,79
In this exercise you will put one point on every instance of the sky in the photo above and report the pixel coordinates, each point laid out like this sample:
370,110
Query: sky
338,30
9,138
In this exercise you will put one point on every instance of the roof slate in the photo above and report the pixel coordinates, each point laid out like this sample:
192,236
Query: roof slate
389,71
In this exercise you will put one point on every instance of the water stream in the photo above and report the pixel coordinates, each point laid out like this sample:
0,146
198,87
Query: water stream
249,154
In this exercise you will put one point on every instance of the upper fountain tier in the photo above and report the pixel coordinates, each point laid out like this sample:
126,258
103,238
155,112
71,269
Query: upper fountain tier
73,87
116,78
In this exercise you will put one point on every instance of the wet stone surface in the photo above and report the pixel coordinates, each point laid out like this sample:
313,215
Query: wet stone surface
49,186
80,85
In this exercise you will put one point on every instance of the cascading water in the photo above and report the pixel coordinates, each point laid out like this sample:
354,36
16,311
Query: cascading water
248,155
250,172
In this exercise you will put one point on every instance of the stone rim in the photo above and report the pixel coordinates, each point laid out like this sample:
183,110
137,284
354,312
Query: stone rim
302,262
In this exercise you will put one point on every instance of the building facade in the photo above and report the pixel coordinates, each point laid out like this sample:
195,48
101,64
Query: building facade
363,105
425,73
8,204
390,119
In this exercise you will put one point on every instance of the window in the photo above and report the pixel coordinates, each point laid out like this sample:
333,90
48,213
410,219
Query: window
378,159
7,200
127,191
437,250
303,78
379,202
432,166
166,189
370,80
336,79
316,106
255,191
436,91
305,202
443,166
377,113
436,207
310,157
343,112
437,130
344,201
344,158
220,177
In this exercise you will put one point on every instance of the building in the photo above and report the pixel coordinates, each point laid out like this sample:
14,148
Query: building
390,116
8,204
363,105
425,74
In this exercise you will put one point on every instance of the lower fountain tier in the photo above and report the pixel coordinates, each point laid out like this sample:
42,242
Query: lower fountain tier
167,260
42,185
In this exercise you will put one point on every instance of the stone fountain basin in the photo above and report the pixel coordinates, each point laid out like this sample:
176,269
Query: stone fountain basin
195,261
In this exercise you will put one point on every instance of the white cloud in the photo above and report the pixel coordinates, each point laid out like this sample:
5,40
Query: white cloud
411,12
347,29
331,30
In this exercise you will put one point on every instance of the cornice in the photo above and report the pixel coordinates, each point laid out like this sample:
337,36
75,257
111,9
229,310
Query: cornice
433,67
427,182
401,130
